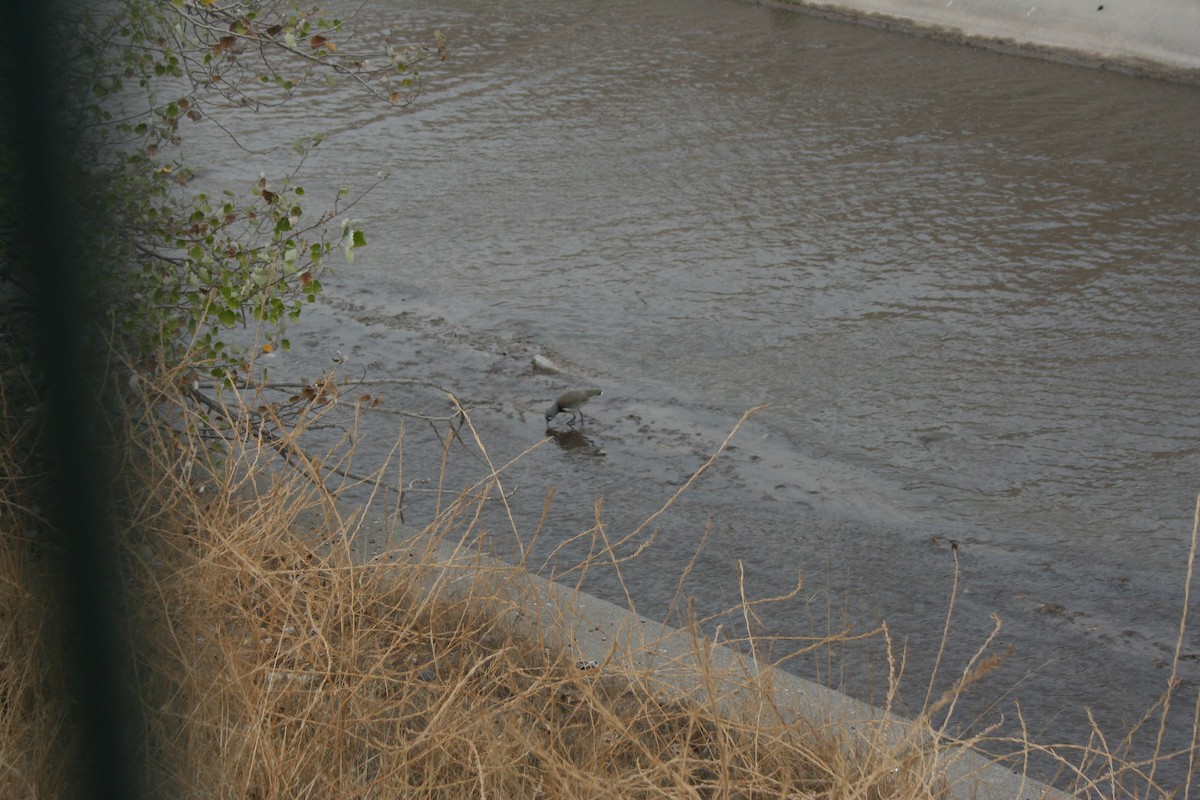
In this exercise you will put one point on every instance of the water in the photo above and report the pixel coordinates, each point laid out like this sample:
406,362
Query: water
964,282
958,282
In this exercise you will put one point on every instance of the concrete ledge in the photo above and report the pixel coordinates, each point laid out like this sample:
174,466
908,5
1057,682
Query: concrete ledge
1157,39
603,636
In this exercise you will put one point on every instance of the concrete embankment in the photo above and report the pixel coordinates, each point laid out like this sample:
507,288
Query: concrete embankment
1158,39
604,636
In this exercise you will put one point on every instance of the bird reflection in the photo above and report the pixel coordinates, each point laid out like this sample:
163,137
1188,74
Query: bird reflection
573,440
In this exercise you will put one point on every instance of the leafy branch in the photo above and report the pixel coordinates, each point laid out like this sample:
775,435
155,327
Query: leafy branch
178,269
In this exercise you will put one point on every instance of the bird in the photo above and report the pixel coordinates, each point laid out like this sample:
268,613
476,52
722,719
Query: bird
570,401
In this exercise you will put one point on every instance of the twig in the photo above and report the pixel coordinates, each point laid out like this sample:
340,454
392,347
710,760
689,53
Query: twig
252,421
1171,680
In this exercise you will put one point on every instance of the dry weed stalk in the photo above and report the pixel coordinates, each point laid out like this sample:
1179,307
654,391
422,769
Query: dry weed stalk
272,663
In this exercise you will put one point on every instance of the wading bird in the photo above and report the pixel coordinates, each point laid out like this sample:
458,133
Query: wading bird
570,402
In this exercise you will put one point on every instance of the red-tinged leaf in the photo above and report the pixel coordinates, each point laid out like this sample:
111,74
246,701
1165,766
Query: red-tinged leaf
223,44
194,115
274,31
268,195
395,97
306,278
317,41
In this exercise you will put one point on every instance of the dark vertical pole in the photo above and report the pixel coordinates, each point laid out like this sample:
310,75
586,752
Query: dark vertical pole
48,257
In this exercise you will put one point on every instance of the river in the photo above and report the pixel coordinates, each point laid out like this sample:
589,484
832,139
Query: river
964,282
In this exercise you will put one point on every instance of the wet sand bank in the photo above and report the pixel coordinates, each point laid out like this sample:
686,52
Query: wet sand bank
763,518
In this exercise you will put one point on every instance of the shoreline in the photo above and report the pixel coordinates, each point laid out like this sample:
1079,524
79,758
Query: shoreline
1126,40
776,518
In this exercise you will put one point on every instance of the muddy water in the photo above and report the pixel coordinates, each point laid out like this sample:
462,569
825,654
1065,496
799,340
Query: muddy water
964,282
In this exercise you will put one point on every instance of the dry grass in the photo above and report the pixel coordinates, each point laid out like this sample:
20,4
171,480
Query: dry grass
271,663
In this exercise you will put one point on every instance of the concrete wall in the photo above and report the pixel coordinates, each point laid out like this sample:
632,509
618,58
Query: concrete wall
604,636
1155,37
